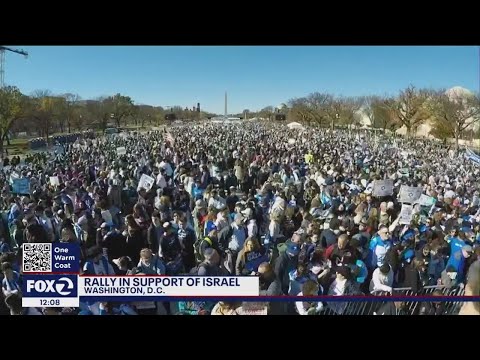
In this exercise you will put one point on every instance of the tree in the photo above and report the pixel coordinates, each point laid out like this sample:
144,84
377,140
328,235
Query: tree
121,106
378,110
348,114
78,118
319,105
44,108
454,113
333,111
267,112
71,109
442,129
299,110
12,103
100,110
409,109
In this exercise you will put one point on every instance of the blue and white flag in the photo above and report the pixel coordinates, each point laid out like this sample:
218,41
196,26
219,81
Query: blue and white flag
470,155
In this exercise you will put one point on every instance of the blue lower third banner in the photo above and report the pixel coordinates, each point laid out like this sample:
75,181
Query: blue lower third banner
50,291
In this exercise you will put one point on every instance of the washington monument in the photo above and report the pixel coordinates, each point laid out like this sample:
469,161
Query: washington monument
226,113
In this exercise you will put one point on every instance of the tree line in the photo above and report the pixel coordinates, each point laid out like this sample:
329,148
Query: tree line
43,113
451,114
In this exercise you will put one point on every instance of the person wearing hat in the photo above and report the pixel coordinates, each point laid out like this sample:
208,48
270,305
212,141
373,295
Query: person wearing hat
382,279
286,263
457,261
171,250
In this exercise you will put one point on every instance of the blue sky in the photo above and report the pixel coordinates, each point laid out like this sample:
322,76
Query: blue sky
254,76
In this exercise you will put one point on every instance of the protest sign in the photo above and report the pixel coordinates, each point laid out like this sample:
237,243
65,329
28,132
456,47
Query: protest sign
382,188
21,186
146,182
406,214
54,181
409,194
121,150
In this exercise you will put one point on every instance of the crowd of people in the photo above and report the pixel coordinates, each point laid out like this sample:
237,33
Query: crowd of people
297,208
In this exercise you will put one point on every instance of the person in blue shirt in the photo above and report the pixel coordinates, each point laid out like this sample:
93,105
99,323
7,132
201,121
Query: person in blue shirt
4,247
454,241
378,248
11,283
458,261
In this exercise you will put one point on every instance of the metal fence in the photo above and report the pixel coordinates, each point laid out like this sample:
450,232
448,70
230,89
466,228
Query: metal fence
409,307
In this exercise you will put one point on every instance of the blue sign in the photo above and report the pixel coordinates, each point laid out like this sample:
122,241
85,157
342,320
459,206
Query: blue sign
65,258
50,286
21,186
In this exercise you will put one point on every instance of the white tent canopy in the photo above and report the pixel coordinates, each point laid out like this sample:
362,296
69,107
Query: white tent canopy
295,125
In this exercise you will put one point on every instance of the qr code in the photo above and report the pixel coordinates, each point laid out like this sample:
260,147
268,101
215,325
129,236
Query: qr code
37,257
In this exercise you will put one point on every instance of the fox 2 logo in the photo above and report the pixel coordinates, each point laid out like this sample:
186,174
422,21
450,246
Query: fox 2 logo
50,286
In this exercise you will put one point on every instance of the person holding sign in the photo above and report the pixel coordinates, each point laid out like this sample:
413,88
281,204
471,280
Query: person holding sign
250,257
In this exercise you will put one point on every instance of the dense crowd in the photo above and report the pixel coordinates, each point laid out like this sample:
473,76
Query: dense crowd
297,208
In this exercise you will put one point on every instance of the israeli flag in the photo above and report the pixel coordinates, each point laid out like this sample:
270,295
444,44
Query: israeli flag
470,155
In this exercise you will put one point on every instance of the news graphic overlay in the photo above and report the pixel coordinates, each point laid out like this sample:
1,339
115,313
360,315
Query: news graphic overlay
50,291
159,288
50,273
61,258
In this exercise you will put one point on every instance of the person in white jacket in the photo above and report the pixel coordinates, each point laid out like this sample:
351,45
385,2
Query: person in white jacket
309,288
382,279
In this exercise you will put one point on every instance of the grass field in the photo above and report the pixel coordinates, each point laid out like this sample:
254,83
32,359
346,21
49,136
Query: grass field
17,147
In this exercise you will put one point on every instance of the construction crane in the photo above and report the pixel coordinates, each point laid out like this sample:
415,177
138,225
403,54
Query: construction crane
3,49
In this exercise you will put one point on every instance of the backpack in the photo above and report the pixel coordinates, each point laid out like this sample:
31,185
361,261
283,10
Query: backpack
197,246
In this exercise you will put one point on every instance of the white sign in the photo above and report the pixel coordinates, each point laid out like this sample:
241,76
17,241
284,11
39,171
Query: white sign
54,181
121,150
146,182
410,194
406,215
382,188
291,141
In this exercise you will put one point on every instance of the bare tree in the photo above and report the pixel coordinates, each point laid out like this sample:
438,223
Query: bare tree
71,109
267,112
12,108
454,113
333,111
319,105
299,110
100,110
409,109
349,111
379,112
44,109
